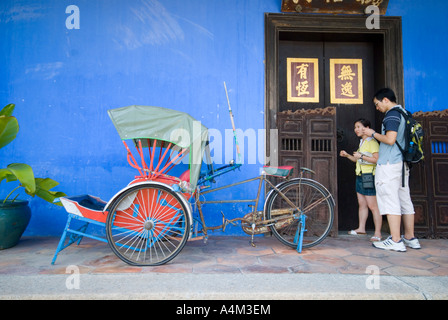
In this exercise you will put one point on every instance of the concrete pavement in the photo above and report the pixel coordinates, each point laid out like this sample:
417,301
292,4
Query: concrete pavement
228,268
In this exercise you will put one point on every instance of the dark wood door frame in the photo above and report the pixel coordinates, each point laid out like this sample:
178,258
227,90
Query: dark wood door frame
390,33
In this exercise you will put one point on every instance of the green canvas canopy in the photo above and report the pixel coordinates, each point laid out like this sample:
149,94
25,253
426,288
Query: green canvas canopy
162,124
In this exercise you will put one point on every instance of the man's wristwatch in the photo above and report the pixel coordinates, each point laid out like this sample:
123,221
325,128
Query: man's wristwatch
373,134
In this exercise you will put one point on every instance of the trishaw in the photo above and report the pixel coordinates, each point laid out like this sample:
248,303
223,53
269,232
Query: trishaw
149,221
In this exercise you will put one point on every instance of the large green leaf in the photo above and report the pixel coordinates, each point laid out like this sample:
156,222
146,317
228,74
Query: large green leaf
6,174
7,110
43,187
9,127
23,173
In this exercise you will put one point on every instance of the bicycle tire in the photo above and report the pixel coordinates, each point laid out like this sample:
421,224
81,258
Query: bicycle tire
311,199
147,225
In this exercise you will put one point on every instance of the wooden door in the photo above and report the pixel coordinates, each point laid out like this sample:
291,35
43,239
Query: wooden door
327,127
329,33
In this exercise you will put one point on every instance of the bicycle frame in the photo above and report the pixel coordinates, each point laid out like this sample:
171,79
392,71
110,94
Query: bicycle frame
263,221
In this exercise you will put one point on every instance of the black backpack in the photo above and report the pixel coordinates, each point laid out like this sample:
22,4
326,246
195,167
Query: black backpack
413,135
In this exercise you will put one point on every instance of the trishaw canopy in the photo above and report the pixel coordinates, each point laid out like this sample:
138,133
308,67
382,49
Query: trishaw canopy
163,125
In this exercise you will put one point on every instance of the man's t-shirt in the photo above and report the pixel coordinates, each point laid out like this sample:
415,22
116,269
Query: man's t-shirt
393,121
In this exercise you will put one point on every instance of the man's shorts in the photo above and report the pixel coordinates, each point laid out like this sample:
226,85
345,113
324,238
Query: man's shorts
392,197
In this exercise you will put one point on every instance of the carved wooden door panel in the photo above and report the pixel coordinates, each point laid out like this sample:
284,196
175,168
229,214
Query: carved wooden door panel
307,138
429,179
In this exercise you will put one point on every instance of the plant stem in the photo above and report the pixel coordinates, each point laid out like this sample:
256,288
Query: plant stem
9,194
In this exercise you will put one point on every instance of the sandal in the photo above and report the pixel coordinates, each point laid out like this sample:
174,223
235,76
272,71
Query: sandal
375,239
354,233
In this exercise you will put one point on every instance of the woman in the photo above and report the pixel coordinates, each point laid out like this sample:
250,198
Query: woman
365,157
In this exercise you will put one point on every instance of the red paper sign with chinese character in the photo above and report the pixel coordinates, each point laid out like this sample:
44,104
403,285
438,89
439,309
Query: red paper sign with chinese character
346,81
303,80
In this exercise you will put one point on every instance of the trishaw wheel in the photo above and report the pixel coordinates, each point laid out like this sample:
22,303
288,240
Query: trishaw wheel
147,225
310,199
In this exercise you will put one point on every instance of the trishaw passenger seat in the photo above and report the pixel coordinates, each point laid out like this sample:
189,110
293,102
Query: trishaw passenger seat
282,171
185,176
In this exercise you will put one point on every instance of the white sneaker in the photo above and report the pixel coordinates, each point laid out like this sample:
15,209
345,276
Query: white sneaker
412,243
389,244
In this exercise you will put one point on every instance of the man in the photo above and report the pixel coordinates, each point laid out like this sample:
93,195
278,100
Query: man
394,200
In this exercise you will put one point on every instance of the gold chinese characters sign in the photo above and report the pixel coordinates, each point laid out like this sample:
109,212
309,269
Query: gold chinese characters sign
302,80
333,6
346,81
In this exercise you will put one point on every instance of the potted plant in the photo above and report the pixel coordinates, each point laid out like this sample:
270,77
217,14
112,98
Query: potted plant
15,214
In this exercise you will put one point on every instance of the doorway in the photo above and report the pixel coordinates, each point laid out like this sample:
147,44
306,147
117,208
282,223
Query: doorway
325,41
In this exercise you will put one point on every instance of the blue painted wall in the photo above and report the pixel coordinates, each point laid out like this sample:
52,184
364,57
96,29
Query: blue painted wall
170,53
425,44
